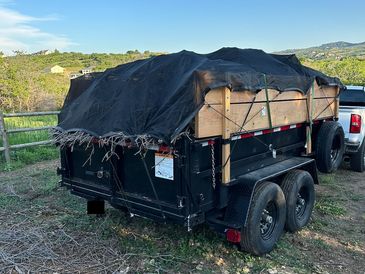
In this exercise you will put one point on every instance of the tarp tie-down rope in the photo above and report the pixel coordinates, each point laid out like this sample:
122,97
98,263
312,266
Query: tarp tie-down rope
120,188
152,185
334,100
243,129
267,102
310,114
271,148
328,101
243,124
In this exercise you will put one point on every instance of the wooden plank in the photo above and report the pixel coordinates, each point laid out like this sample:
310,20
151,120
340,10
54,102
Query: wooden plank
16,130
325,91
4,132
31,144
246,96
209,119
23,114
282,113
324,108
5,139
226,134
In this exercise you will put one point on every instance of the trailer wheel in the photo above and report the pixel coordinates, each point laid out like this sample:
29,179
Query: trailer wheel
298,188
357,160
330,147
266,219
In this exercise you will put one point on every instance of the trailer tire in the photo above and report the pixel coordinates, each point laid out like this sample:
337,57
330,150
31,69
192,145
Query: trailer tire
330,147
266,219
298,188
357,160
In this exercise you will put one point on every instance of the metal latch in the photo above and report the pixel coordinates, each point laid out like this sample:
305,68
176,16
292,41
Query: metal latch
99,174
181,201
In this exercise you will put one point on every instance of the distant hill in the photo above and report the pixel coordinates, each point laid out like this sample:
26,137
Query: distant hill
333,51
27,82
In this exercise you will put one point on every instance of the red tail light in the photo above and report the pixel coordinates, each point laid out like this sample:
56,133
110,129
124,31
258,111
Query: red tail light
233,235
355,126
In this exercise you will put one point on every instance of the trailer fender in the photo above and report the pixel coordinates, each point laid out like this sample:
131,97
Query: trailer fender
240,192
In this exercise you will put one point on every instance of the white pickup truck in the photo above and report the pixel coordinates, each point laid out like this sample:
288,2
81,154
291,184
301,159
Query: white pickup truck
352,119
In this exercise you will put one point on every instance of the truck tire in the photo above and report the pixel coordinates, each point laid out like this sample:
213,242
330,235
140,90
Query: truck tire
330,147
357,161
298,188
266,219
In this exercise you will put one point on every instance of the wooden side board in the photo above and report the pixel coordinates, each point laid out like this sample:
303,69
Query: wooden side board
285,108
246,96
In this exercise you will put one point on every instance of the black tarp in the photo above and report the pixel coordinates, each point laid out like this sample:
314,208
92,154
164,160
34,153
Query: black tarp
159,96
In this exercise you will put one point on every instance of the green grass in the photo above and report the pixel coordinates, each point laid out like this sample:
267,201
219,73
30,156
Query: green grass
32,194
330,206
24,156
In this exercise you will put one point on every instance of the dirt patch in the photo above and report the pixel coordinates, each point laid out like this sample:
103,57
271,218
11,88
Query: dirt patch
343,231
44,228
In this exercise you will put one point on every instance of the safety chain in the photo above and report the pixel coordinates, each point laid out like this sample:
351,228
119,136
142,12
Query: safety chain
213,164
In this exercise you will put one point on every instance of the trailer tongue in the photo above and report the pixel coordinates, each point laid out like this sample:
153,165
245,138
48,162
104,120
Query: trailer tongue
228,139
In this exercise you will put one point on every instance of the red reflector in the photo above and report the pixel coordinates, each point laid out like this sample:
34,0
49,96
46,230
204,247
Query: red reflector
233,235
247,135
355,125
164,149
284,128
299,125
211,142
266,131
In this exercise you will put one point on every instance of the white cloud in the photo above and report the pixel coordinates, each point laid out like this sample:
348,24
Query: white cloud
17,33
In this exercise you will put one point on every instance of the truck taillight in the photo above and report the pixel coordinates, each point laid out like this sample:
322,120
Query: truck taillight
233,235
355,125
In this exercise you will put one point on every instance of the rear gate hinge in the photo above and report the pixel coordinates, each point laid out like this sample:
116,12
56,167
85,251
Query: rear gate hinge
181,200
181,161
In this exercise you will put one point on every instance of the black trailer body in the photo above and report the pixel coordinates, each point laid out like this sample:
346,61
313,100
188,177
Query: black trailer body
189,197
232,139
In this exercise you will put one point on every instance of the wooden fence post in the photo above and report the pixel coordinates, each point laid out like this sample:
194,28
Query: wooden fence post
5,138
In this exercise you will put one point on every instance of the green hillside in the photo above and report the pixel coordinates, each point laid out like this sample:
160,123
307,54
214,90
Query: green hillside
350,70
26,84
340,59
332,51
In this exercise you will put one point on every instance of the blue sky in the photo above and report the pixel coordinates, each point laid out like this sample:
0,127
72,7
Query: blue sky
170,26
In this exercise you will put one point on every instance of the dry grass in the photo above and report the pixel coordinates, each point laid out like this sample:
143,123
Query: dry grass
45,229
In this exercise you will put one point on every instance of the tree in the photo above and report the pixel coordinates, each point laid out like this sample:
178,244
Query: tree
19,52
136,51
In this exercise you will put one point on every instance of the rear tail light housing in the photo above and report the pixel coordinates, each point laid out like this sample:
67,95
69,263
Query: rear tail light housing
233,235
355,124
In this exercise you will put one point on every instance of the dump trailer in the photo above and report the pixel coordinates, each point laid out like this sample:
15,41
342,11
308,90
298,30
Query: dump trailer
232,139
